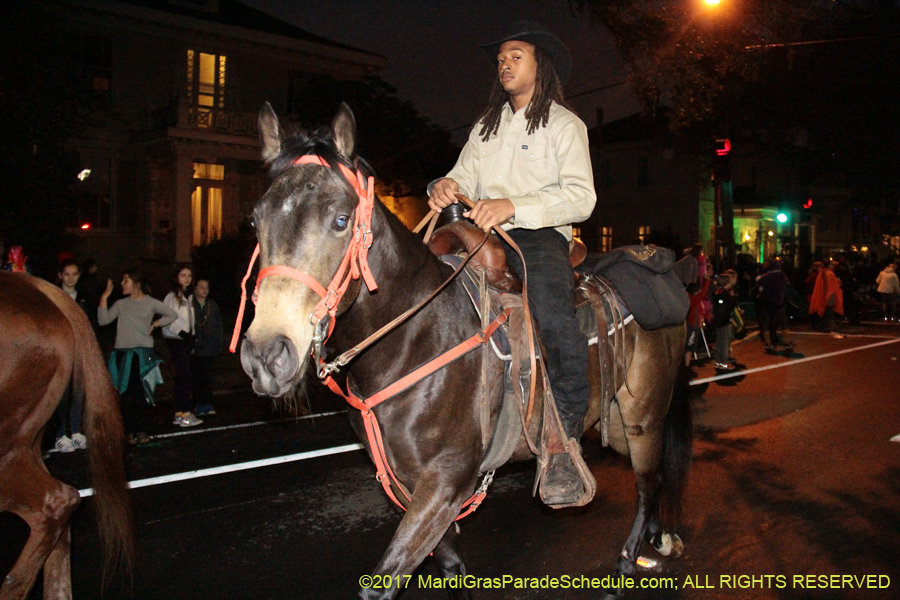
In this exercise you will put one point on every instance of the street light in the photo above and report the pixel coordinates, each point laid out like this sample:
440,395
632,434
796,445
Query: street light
711,2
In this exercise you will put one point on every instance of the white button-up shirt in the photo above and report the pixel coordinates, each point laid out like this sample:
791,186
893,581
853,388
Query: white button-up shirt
546,175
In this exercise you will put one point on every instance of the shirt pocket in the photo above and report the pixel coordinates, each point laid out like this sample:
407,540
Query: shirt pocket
535,167
489,148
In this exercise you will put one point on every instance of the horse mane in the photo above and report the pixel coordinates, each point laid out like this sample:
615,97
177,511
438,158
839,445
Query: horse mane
319,142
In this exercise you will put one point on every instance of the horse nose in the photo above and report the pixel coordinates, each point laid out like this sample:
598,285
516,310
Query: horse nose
272,366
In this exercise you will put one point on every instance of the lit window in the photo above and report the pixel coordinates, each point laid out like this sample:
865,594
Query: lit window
605,239
644,233
208,171
206,204
205,83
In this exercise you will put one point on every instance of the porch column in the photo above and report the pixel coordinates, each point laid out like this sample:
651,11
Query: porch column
184,187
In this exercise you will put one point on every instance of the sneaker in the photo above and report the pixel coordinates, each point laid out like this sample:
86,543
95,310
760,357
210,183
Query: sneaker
725,367
177,420
189,420
79,441
896,438
63,444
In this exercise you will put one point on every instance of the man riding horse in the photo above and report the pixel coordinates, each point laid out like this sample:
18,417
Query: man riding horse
528,164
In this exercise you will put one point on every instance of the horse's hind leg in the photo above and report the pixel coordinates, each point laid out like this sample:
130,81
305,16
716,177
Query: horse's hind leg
46,505
644,447
450,563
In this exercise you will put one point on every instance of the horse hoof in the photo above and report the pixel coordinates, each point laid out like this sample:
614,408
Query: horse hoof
670,544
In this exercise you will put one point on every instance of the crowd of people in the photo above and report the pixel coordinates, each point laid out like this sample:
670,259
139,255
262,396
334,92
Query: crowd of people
831,290
190,323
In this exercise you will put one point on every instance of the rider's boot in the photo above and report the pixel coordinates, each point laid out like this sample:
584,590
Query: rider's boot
562,484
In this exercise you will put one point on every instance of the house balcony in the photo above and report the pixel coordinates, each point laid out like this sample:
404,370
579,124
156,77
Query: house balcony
184,115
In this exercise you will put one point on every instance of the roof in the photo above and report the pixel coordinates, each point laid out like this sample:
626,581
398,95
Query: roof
235,14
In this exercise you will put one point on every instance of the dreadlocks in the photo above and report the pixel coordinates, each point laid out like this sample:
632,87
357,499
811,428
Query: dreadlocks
547,89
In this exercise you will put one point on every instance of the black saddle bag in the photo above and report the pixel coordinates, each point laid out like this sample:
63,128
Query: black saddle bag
644,278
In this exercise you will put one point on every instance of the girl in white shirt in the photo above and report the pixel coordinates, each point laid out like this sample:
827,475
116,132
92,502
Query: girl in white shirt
179,336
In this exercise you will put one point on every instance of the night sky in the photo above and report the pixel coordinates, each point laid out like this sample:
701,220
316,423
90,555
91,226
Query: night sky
434,58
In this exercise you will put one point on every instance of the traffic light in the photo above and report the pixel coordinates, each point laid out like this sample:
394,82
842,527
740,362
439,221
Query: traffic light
781,217
806,213
722,160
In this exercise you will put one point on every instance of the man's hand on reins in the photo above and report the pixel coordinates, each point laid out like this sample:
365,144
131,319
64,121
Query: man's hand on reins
443,194
490,212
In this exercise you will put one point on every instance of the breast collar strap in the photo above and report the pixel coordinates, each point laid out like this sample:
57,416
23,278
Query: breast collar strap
354,263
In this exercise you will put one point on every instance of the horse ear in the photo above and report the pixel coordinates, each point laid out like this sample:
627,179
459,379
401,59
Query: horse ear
269,133
343,128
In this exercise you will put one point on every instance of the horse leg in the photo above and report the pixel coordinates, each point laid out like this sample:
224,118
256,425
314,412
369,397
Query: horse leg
647,501
46,505
450,563
436,503
644,448
58,569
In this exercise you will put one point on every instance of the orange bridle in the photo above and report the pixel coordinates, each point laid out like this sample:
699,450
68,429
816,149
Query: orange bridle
354,263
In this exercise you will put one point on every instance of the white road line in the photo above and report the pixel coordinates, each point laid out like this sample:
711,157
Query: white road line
838,336
253,464
792,362
241,425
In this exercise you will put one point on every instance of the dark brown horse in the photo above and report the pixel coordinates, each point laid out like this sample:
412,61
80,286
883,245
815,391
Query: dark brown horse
46,342
432,431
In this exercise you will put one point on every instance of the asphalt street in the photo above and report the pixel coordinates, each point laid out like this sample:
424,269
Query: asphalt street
795,486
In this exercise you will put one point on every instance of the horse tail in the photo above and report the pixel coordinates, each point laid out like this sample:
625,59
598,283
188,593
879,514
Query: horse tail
678,448
106,440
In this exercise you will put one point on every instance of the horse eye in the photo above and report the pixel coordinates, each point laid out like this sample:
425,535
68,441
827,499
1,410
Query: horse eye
341,222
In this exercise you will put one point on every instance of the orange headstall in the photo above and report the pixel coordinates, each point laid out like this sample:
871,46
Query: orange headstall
354,264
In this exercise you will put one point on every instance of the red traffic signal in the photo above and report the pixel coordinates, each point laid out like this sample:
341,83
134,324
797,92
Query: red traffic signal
723,147
808,203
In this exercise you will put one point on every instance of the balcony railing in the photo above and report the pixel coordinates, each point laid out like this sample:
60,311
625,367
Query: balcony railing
189,116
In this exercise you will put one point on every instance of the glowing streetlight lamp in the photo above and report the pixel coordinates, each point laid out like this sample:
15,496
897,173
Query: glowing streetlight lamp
712,2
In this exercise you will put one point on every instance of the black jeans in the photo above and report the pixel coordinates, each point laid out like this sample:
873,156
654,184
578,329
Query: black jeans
201,378
134,402
551,293
181,359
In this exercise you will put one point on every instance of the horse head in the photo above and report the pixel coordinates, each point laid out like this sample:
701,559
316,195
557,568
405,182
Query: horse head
308,227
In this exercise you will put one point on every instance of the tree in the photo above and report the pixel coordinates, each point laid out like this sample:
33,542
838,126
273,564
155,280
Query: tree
809,83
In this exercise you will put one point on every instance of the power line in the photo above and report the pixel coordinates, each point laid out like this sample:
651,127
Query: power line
811,42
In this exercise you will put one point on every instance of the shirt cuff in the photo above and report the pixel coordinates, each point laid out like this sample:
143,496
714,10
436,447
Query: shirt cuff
529,211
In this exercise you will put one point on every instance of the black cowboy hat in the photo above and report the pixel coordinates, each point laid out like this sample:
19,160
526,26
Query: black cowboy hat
540,36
